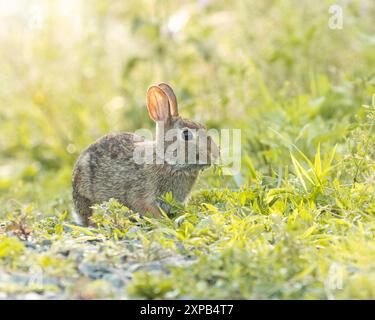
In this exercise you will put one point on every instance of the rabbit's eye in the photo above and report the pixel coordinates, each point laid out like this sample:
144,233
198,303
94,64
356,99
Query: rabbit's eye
187,135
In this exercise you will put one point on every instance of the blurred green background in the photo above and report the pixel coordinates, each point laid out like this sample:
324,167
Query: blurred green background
71,71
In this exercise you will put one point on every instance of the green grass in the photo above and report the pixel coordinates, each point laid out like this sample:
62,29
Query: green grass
297,222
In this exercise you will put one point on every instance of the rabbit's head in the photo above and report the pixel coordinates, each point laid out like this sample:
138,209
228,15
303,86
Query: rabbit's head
182,143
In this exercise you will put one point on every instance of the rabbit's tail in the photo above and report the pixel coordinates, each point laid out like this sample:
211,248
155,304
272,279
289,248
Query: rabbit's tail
82,206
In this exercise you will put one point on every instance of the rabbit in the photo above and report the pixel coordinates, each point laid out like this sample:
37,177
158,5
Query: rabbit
109,168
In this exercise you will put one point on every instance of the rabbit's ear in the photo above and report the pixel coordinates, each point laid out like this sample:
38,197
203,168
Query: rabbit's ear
158,105
171,97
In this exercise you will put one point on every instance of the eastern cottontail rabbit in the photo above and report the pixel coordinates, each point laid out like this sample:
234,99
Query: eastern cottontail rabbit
113,167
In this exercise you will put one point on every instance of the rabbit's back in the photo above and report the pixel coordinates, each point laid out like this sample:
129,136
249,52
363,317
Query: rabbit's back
106,169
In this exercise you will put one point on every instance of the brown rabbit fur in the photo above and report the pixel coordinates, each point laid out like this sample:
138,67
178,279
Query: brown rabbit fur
106,169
